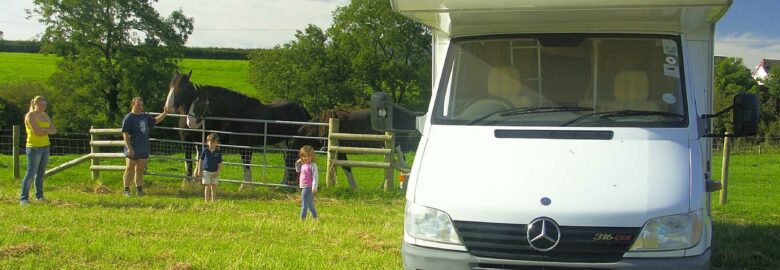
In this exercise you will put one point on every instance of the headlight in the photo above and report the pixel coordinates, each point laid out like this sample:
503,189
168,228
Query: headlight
670,233
429,224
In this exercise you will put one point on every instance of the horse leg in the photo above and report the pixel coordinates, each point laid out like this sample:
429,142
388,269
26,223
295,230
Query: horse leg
348,172
289,177
246,159
187,166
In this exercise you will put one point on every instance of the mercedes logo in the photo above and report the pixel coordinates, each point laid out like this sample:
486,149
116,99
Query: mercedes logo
543,234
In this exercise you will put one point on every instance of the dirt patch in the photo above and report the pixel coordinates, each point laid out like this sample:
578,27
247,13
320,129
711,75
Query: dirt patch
181,266
18,250
101,189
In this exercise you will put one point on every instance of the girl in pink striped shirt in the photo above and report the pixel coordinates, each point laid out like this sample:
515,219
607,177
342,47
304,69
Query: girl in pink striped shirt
307,167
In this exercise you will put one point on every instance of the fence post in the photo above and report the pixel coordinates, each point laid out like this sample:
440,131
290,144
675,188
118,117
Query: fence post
389,144
724,176
16,137
94,149
333,127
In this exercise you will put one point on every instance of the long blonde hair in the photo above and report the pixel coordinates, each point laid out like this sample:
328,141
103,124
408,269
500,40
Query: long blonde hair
308,151
34,102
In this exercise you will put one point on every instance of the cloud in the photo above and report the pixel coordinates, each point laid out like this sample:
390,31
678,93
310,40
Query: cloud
748,46
250,23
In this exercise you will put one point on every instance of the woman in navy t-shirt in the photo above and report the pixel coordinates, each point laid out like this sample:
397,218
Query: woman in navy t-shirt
135,130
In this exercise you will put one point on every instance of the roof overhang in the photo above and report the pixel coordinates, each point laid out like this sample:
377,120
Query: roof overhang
468,17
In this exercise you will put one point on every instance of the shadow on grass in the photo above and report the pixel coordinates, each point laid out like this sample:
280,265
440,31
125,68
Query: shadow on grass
745,246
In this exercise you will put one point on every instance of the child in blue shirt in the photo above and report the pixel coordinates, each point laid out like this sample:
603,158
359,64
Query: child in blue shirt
209,163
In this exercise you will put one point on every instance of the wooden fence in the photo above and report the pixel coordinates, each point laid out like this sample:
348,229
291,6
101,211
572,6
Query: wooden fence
334,136
95,155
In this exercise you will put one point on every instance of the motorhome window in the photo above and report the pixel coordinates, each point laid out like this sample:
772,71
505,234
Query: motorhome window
576,80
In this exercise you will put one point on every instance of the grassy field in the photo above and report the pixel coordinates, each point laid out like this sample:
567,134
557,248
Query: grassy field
747,227
21,67
232,74
172,228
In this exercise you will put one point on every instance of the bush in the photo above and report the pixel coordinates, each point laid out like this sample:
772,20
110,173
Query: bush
15,101
26,46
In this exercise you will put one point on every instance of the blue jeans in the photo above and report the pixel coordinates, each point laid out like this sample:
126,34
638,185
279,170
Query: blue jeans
37,158
307,203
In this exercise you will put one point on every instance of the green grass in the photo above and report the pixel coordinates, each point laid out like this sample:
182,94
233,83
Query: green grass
22,67
172,228
747,227
232,74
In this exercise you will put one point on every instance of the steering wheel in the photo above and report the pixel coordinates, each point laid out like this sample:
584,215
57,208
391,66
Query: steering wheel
487,105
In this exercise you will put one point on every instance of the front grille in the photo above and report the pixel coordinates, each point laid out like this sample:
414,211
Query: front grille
490,266
577,244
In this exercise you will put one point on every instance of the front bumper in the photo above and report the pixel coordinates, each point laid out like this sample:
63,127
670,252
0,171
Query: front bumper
416,257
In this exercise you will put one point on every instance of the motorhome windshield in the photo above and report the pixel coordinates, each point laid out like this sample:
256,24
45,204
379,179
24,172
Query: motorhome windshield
563,80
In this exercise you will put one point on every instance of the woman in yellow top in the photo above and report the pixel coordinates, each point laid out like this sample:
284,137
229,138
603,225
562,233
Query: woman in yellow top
39,126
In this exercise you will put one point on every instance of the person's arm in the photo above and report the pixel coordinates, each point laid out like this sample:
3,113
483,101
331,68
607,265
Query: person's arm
198,170
162,116
298,164
52,129
130,150
36,129
219,164
315,176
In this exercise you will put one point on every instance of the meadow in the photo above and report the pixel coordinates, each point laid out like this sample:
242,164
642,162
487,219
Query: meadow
230,74
88,224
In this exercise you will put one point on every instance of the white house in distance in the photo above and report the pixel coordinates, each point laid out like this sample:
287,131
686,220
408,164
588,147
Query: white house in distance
762,70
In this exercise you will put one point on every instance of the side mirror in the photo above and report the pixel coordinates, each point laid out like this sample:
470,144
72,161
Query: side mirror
381,112
745,117
387,116
746,114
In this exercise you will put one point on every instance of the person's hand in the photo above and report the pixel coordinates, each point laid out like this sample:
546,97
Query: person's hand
314,189
130,152
298,162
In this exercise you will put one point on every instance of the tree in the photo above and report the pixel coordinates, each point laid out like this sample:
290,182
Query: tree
731,78
387,52
770,102
369,48
112,50
304,70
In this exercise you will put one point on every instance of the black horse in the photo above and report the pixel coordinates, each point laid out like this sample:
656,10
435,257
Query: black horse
356,122
201,101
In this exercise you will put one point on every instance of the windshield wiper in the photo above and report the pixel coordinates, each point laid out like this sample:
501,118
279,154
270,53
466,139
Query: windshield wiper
623,113
530,110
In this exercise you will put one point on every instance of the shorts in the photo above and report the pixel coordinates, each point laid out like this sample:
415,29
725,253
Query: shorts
209,178
137,155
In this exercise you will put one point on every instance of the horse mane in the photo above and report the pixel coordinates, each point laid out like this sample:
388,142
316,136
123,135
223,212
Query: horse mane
325,117
225,92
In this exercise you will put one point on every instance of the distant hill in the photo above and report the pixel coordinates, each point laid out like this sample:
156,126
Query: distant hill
29,46
232,74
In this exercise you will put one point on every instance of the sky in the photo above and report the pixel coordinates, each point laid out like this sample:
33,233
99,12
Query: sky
749,30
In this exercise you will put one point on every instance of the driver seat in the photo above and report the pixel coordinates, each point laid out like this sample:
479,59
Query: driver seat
504,82
631,89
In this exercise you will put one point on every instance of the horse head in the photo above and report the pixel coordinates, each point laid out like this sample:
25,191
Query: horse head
181,93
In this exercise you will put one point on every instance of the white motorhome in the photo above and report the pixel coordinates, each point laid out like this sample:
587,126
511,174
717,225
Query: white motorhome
565,134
